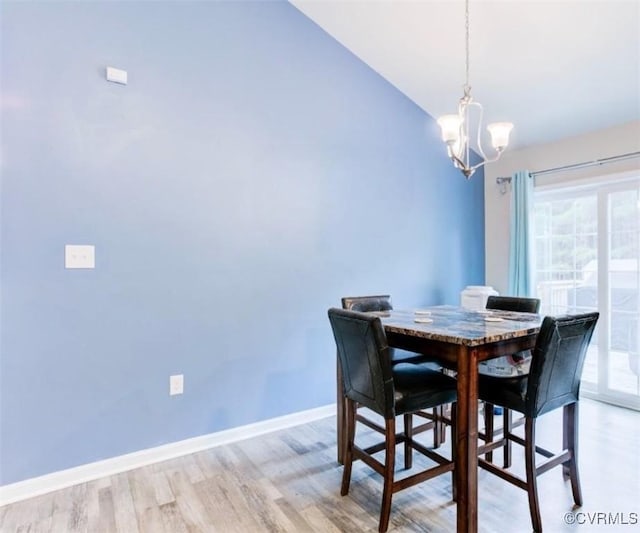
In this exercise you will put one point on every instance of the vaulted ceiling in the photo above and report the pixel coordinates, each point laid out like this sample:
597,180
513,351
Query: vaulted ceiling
553,68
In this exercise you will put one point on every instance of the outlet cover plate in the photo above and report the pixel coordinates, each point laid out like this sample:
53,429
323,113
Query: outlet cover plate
117,75
79,256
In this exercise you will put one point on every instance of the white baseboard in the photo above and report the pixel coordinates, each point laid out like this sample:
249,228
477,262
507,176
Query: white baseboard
81,474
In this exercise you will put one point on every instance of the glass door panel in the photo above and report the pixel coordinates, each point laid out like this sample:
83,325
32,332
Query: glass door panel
623,279
587,245
566,235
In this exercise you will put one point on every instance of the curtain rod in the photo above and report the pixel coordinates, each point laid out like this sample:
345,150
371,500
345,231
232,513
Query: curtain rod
507,179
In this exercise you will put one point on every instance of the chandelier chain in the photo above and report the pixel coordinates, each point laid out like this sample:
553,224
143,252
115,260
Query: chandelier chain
467,88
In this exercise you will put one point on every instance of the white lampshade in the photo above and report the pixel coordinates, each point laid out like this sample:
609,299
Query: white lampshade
450,125
499,132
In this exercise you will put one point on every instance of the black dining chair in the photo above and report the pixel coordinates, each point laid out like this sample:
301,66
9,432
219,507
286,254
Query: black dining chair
370,379
553,382
381,303
519,362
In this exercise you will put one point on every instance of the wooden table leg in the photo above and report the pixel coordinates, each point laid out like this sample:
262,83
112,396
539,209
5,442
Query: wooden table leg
467,441
340,415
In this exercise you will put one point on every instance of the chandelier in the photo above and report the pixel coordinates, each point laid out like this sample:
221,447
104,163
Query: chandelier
457,131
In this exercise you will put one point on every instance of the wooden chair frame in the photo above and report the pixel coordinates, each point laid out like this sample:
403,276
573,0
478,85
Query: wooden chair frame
387,468
568,458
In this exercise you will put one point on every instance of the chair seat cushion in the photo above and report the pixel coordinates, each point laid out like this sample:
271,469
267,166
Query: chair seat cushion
509,392
403,356
418,386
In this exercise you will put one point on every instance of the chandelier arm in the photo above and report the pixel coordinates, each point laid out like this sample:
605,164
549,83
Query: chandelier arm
476,167
464,112
467,140
458,162
479,133
491,160
485,161
481,152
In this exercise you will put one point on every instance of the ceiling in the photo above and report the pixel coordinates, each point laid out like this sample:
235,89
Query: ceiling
553,68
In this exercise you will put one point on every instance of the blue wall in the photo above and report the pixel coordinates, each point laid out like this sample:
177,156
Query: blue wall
251,173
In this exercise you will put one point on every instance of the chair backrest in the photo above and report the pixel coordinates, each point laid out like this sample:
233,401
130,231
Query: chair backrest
558,359
514,303
365,359
517,304
364,304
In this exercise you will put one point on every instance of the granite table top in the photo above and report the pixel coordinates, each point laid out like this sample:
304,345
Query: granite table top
457,325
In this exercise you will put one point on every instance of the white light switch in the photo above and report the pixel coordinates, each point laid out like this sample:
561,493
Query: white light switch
79,256
176,384
116,75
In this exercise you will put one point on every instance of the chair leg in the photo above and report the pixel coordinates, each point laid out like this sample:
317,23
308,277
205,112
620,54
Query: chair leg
530,468
341,414
566,470
454,414
488,428
507,428
442,425
350,430
408,432
389,465
570,441
437,413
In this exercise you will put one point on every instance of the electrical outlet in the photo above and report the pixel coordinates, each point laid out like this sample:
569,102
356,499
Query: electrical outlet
79,256
176,384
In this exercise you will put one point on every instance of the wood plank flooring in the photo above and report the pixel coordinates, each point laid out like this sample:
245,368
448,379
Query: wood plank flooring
289,481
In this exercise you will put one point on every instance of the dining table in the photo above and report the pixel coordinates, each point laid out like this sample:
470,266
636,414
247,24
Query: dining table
459,339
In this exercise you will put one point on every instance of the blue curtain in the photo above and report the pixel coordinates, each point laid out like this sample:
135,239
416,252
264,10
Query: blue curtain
520,243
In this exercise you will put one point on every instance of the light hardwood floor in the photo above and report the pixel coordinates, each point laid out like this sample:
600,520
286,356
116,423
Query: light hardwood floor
289,481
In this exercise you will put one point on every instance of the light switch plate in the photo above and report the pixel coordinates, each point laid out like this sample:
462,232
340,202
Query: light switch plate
117,75
176,384
79,256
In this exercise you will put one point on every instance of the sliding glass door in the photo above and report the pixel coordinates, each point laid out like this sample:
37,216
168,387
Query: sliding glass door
587,246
